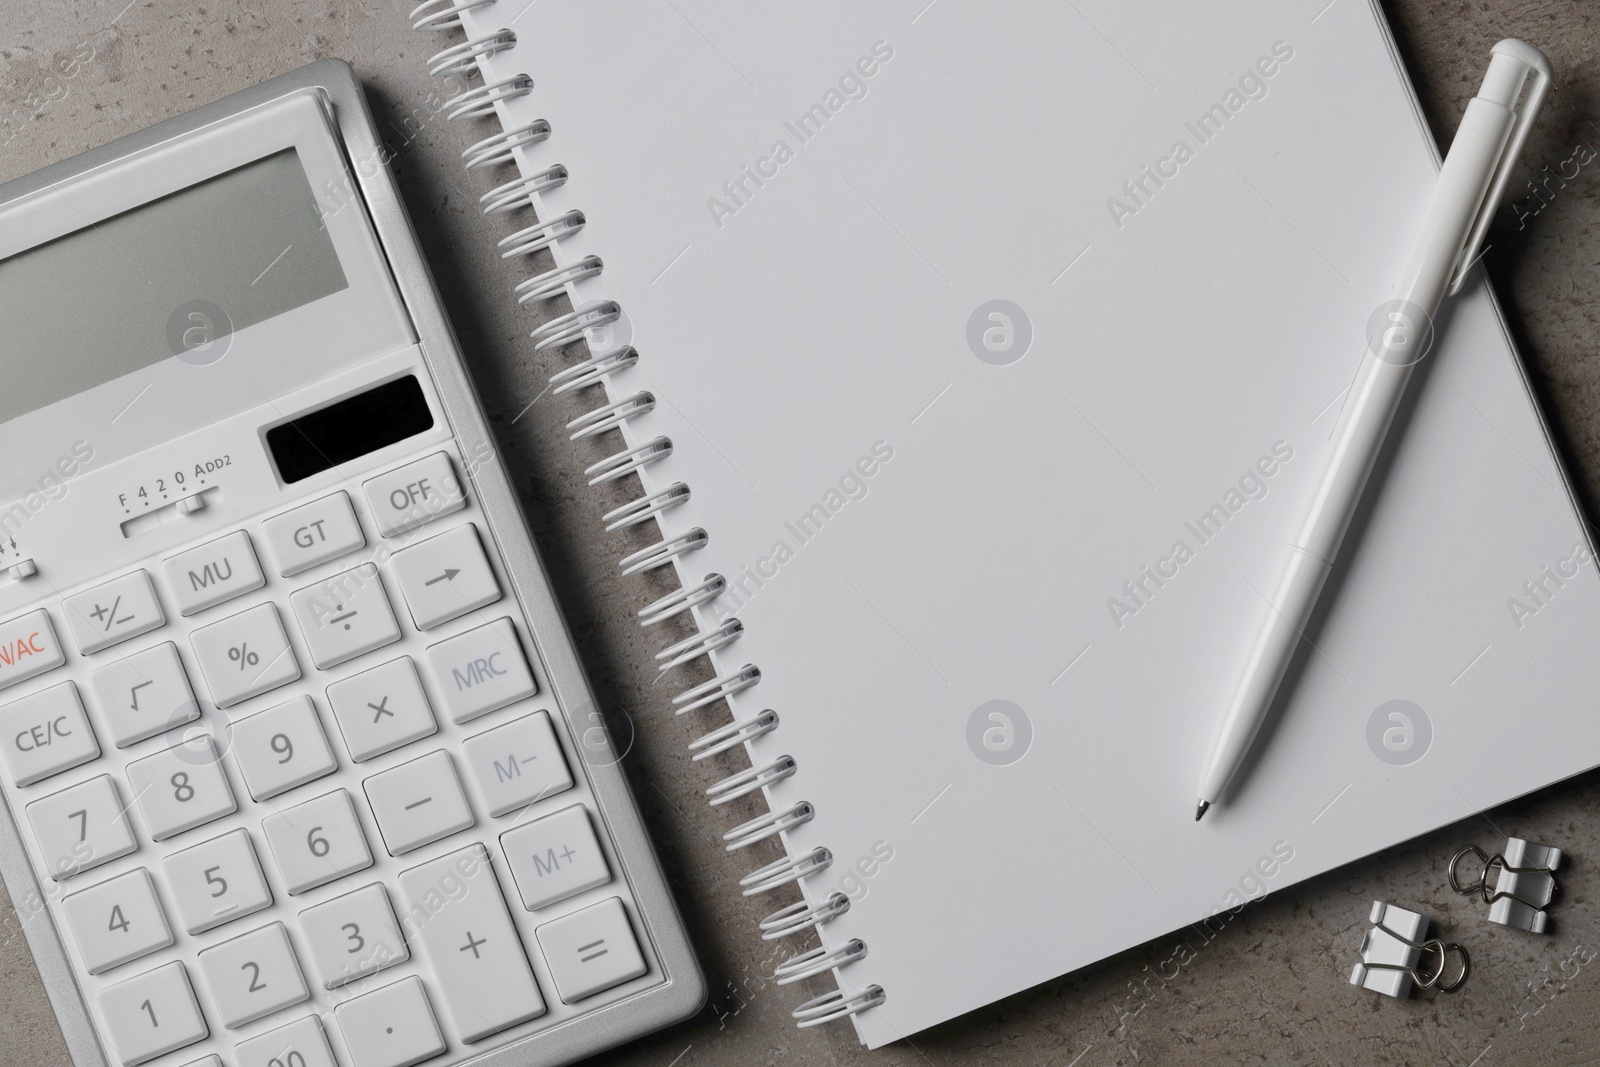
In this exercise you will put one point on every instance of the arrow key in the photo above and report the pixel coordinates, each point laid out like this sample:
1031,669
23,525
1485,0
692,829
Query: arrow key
446,577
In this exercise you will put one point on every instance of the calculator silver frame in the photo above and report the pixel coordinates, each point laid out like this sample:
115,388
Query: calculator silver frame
682,991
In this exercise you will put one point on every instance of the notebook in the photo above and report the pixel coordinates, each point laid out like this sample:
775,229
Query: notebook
998,347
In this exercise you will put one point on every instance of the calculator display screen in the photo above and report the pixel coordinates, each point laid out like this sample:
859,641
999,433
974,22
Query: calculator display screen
173,277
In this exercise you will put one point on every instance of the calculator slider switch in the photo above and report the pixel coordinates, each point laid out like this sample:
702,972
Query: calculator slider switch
23,568
191,504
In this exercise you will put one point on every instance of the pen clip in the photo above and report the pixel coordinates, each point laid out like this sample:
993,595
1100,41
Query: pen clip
1535,67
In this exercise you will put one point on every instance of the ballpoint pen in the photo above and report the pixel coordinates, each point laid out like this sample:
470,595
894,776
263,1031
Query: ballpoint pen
1470,186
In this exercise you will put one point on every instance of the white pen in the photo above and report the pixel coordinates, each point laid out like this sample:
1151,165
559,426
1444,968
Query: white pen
1471,183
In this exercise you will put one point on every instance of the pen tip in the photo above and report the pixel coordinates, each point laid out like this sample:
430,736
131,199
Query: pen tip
1201,809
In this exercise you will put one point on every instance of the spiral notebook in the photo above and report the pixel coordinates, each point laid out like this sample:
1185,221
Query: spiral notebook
974,360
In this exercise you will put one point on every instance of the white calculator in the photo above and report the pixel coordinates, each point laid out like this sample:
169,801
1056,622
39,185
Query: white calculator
300,765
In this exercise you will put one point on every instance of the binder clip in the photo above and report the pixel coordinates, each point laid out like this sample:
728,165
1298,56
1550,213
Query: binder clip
1522,890
1395,955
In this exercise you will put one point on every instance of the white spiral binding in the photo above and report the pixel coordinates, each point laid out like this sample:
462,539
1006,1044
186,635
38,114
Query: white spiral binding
502,147
629,460
818,960
835,1005
564,329
519,192
463,60
700,644
442,14
475,103
646,507
782,872
530,239
733,735
718,688
800,916
593,370
751,780
663,552
553,282
764,826
611,416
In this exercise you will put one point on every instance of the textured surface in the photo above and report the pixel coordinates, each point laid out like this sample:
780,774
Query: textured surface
1270,986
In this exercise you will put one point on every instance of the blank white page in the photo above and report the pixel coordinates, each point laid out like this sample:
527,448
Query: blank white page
1187,354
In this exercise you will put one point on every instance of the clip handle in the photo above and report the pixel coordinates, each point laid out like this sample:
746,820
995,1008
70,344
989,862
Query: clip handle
1515,62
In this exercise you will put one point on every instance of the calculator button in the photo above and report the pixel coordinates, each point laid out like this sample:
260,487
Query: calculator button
591,950
353,936
481,670
313,533
205,1061
445,577
415,494
419,802
555,857
181,787
299,1044
117,921
144,694
216,882
253,975
518,763
28,648
281,748
390,1027
121,608
81,827
245,655
152,1014
45,733
476,955
382,709
317,842
346,616
216,571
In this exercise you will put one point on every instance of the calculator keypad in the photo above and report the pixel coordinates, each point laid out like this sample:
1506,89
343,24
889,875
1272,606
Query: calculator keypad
117,921
28,647
144,694
113,612
81,827
204,744
245,655
180,788
318,841
46,733
346,616
214,573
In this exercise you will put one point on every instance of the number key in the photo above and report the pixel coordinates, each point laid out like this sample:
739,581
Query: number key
216,881
253,975
299,1044
152,1014
281,748
317,842
81,827
353,936
181,788
117,921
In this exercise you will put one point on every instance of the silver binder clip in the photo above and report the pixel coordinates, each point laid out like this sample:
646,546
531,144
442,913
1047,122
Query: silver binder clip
1522,890
1395,955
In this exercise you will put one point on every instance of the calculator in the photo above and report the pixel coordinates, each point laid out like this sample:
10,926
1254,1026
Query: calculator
300,766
